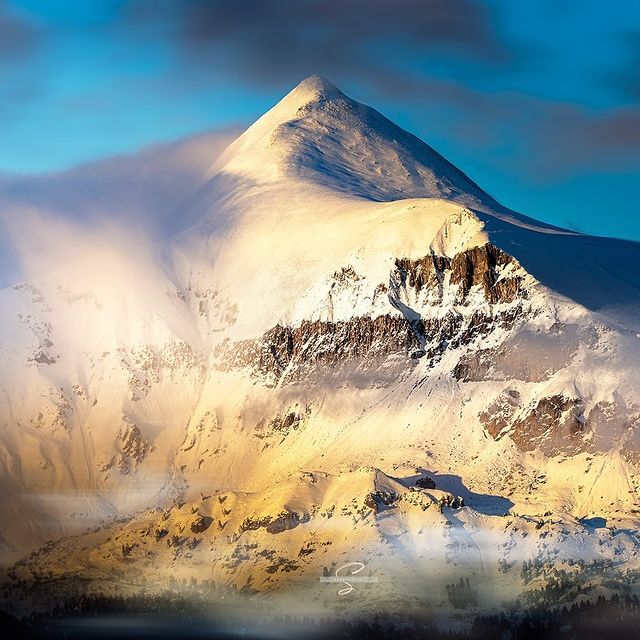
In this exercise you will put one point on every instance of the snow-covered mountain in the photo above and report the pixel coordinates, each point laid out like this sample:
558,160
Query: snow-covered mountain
347,341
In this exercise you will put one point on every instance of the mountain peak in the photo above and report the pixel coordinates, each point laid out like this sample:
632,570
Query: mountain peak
314,87
318,134
313,90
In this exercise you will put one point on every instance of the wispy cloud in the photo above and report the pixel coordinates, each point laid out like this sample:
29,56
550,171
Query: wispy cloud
143,195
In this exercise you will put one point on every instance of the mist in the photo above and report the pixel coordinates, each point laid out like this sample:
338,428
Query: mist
125,202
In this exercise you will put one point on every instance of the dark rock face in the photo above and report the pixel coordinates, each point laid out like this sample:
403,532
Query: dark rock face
282,522
314,346
425,483
290,421
478,266
253,524
134,448
555,425
133,443
42,358
281,425
318,348
561,425
285,521
500,414
332,343
451,501
201,523
378,500
425,272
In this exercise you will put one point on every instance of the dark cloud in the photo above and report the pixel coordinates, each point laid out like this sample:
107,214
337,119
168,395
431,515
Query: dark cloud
548,140
616,129
626,79
18,35
279,42
567,139
271,42
317,30
387,50
544,138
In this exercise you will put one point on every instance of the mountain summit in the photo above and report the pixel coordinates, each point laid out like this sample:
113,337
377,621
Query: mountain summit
318,134
313,88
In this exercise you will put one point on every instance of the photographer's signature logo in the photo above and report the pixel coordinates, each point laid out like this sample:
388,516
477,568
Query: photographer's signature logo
347,574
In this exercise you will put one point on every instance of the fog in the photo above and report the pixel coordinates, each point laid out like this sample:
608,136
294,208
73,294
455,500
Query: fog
125,202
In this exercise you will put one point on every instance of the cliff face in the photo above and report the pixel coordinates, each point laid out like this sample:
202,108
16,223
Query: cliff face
484,267
475,306
561,425
316,348
424,273
430,310
487,267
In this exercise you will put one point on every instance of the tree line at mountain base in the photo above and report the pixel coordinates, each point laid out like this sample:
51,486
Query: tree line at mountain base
169,615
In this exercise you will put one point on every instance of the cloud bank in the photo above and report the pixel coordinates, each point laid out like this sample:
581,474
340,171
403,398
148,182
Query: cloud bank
143,196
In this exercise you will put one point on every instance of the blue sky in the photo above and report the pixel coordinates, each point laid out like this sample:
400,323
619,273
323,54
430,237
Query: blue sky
538,101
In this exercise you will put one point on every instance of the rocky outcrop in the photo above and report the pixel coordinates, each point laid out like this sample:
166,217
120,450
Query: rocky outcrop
425,483
133,446
333,342
427,272
284,521
43,358
253,524
483,267
146,365
494,272
451,501
554,425
281,425
499,415
316,348
559,424
378,500
200,523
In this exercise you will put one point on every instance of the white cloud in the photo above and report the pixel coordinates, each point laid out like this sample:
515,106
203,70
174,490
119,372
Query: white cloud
109,202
